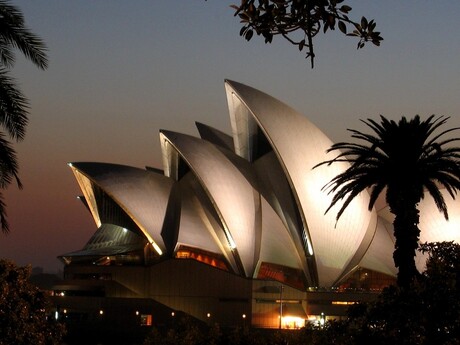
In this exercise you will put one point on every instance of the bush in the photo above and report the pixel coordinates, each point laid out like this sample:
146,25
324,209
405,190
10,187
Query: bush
23,309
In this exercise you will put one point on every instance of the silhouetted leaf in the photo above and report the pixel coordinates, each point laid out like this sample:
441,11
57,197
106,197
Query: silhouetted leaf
249,35
345,9
364,23
243,16
301,45
371,25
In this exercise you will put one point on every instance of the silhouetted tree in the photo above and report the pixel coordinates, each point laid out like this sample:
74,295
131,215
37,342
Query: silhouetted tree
23,310
440,292
300,21
13,105
403,159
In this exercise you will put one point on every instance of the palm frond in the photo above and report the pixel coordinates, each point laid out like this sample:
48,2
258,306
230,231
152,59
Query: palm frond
8,164
439,201
13,107
396,155
13,32
5,227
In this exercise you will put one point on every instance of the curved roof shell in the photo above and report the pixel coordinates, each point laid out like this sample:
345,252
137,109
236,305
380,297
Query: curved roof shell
142,194
253,231
233,197
299,145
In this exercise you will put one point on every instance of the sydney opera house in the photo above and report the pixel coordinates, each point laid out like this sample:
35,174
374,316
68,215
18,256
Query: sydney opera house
233,228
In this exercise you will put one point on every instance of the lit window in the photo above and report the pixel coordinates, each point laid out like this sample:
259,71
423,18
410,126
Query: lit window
146,320
343,302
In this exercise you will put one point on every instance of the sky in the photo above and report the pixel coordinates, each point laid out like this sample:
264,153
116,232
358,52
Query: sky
119,71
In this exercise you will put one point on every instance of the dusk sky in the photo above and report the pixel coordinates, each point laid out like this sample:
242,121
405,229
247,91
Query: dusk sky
120,71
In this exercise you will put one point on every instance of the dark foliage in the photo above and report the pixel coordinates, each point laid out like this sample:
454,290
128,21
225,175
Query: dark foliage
14,35
23,310
189,331
300,21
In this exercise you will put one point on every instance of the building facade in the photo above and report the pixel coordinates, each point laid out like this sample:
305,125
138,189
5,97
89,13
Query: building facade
232,229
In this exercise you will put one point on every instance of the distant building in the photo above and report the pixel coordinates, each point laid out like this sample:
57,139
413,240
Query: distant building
233,229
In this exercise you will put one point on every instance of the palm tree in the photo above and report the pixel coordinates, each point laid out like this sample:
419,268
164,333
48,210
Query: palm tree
13,105
405,159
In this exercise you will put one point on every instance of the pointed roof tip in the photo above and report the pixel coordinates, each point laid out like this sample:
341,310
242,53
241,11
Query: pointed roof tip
239,87
230,82
200,125
167,132
79,165
86,163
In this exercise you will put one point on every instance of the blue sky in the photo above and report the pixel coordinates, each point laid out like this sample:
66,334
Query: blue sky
122,70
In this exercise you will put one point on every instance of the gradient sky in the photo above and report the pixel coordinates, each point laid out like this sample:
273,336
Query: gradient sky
122,70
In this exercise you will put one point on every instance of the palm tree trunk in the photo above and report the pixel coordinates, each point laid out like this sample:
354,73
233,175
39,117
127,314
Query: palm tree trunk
407,235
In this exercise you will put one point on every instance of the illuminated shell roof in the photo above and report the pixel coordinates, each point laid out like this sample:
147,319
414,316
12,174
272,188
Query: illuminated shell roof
142,194
234,199
253,199
299,146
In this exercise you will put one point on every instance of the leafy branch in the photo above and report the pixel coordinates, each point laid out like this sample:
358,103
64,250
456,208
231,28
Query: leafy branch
299,21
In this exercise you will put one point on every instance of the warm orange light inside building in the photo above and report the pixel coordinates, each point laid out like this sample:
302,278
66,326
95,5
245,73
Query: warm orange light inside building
366,280
146,320
287,275
201,256
343,303
292,322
